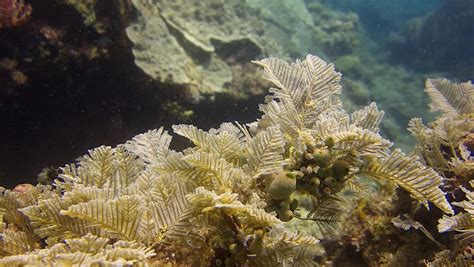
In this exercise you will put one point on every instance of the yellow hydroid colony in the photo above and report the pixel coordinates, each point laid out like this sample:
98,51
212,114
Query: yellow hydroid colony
446,145
226,199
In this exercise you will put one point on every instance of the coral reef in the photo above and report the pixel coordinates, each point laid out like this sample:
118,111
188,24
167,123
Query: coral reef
396,90
289,24
225,200
194,45
48,43
86,8
304,27
353,67
14,13
336,32
200,51
102,15
382,17
53,66
11,76
450,34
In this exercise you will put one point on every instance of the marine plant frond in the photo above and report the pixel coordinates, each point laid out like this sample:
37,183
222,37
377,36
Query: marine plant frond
468,204
446,258
212,171
290,80
88,250
311,77
197,136
49,223
441,144
368,118
16,242
420,131
304,90
10,205
204,200
463,222
327,125
359,142
174,163
227,145
285,115
148,232
255,217
126,253
264,152
169,202
88,243
119,217
184,229
406,222
49,256
160,188
460,222
245,130
451,131
416,127
222,142
406,171
164,204
355,184
326,215
103,167
288,248
128,169
151,146
429,144
328,108
229,128
245,216
81,194
324,79
450,98
95,169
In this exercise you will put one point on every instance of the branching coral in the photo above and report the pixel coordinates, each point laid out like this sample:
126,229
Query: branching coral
224,200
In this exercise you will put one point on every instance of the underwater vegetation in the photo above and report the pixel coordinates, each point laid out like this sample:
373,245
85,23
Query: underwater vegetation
424,237
226,200
447,146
